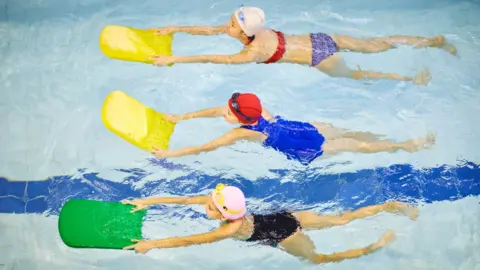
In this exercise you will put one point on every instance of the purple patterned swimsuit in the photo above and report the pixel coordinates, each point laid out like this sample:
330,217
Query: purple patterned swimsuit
322,47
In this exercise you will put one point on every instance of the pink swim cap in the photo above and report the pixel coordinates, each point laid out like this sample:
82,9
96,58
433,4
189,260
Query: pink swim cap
230,201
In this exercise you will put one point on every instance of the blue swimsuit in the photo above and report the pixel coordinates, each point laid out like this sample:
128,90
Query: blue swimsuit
297,140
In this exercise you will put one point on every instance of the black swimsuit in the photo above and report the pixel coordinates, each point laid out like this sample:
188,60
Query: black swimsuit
274,228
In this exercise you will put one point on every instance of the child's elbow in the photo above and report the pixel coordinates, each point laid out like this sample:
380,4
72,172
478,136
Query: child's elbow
244,60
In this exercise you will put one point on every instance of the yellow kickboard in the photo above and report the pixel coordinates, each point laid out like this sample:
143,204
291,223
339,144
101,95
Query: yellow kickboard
135,122
136,45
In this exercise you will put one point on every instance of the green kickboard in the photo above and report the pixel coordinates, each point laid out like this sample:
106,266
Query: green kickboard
97,224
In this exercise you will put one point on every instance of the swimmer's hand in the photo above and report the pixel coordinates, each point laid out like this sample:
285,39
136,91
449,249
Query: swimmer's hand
162,60
423,77
160,153
140,246
166,30
139,204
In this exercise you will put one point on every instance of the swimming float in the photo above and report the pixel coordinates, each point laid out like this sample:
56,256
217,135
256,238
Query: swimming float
135,45
136,123
97,224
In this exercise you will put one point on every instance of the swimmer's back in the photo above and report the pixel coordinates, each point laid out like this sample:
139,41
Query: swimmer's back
297,140
298,47
269,229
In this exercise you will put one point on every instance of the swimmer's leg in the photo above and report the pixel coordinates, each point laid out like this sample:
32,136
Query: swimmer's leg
381,44
418,42
309,220
363,136
302,246
351,145
331,132
335,66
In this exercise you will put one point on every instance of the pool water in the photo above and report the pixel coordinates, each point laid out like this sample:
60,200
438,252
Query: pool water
54,146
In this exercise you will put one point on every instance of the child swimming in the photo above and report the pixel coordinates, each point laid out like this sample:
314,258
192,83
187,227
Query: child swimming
318,50
284,229
299,141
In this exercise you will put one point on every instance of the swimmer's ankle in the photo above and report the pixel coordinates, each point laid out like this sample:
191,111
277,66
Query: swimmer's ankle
394,76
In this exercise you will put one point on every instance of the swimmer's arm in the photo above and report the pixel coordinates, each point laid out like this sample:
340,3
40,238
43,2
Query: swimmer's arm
228,138
266,114
219,234
201,30
173,200
212,112
243,57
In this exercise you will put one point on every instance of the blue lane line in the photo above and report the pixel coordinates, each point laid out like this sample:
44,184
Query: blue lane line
310,188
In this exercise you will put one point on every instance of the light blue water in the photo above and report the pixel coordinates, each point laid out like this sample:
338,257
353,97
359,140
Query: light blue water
54,79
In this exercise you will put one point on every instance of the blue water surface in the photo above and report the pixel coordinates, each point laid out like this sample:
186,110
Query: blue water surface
344,190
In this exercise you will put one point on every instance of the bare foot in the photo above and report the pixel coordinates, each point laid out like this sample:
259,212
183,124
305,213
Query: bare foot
421,143
449,48
423,77
439,42
402,209
436,41
384,240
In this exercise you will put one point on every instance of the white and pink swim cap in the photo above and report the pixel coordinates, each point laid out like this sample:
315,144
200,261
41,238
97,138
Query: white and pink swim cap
230,201
251,19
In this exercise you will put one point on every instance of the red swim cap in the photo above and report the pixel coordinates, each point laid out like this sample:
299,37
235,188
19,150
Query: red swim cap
246,107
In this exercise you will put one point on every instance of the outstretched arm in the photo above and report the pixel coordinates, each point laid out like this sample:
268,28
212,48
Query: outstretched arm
170,200
244,57
146,202
193,30
228,138
221,233
207,113
239,58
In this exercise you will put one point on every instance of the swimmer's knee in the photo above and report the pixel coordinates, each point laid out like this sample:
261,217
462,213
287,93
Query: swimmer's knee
364,147
373,45
360,75
389,46
357,74
382,46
